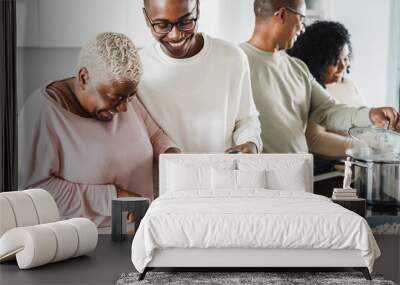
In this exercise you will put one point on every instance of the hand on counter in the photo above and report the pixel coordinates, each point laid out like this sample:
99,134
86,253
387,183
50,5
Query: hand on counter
173,150
248,147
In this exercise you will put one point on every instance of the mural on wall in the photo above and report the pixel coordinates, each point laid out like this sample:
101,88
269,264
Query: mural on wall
88,103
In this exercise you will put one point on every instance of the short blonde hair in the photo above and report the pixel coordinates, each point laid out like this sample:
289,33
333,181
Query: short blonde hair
110,56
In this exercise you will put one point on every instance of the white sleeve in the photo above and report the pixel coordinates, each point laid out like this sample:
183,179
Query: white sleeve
247,125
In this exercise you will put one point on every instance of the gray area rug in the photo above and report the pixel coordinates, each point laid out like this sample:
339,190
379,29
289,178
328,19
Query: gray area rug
243,278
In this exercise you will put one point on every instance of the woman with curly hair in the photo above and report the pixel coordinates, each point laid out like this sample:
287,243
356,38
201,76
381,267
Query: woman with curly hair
326,49
88,139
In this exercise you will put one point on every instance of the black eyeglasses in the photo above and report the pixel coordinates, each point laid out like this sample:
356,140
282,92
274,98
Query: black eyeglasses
164,27
302,17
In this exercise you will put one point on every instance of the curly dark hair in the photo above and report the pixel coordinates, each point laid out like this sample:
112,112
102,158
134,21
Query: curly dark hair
320,45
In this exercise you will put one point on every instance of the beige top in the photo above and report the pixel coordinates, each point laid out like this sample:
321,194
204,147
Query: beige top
333,144
346,92
81,160
287,96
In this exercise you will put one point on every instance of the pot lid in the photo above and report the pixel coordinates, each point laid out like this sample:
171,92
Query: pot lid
377,138
367,154
375,144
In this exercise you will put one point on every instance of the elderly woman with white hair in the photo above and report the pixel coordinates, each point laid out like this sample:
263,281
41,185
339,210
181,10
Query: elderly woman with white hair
88,139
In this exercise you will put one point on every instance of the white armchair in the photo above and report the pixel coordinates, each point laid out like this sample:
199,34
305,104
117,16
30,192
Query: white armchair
31,233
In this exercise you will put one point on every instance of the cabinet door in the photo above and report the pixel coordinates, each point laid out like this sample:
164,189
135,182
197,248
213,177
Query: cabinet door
27,23
70,23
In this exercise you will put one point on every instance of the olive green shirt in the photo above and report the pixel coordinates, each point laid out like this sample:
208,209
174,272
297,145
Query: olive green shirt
287,96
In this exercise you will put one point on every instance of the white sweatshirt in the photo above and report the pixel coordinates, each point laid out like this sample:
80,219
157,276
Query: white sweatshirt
204,103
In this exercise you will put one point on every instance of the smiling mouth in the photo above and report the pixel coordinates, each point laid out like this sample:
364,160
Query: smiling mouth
177,44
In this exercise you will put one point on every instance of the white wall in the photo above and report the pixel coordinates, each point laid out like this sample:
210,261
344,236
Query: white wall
38,66
394,71
70,23
227,19
370,23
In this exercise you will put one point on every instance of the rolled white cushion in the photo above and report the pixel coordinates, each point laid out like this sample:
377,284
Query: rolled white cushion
67,240
33,246
26,208
37,245
7,218
23,208
45,205
87,235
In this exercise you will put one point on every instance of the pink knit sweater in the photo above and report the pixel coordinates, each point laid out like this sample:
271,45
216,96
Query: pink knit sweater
80,160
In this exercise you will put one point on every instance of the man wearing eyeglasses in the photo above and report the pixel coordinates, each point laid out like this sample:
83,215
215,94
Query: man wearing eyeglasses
196,87
285,93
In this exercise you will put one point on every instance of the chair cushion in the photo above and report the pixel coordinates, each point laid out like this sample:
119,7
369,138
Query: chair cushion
7,220
26,208
41,244
45,206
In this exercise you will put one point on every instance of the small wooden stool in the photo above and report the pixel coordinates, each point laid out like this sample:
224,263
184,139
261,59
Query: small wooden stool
120,207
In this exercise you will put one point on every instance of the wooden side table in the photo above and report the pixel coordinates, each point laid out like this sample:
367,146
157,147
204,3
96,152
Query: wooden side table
357,205
120,208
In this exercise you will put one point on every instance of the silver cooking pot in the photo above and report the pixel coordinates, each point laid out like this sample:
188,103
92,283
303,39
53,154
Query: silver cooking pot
376,164
376,179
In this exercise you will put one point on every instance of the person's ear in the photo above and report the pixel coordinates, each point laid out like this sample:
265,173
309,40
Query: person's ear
198,10
281,15
83,78
146,18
